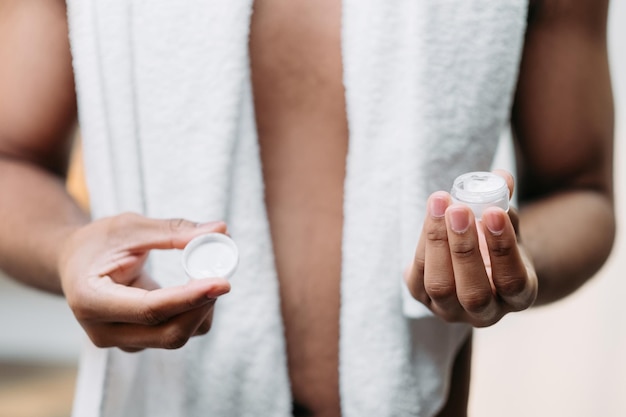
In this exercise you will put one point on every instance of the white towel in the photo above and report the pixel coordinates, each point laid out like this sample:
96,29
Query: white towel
168,123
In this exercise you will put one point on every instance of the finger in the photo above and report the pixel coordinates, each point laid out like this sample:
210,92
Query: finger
203,329
147,233
514,217
438,273
508,177
472,283
172,334
206,324
414,277
107,301
509,272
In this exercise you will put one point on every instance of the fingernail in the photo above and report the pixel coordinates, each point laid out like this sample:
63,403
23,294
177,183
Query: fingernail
459,220
437,206
494,222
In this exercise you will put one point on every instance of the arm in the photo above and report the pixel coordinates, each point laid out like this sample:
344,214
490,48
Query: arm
46,241
37,118
563,126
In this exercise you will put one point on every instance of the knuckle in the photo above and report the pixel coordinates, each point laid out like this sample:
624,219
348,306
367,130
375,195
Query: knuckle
437,236
205,327
463,250
151,316
487,322
82,310
99,340
194,301
501,248
476,302
174,337
173,228
510,285
177,224
441,291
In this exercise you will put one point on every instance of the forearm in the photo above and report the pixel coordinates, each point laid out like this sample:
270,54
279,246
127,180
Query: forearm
568,237
37,215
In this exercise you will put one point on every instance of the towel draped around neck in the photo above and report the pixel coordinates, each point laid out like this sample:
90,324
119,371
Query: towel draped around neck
167,118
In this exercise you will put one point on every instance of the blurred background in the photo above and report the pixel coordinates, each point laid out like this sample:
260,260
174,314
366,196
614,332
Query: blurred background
566,359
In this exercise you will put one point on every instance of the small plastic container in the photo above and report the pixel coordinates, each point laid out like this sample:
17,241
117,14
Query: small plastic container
209,256
480,190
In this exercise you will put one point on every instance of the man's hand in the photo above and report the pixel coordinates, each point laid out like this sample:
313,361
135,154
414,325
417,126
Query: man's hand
468,271
116,302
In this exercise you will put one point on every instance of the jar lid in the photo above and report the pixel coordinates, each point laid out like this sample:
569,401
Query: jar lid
210,255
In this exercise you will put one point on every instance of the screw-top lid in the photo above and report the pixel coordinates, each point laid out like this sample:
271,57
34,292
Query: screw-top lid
210,255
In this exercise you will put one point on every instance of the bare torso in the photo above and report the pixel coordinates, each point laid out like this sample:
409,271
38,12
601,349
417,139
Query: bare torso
299,100
295,49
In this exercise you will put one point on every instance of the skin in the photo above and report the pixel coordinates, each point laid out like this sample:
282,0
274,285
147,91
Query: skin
300,109
563,231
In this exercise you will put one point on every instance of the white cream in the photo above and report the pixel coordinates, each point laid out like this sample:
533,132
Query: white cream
480,190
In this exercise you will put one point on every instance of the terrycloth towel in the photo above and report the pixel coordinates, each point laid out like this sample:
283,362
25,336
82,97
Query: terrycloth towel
167,118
